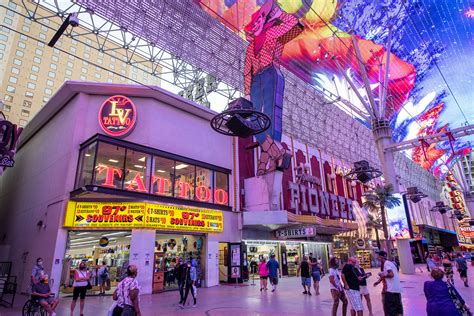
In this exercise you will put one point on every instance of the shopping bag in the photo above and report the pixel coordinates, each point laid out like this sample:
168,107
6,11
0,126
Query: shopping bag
107,285
110,311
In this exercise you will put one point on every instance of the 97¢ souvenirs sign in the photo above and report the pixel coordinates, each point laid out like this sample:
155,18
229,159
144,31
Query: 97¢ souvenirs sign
99,215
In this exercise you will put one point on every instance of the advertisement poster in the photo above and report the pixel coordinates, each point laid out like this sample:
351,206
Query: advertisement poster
397,220
110,215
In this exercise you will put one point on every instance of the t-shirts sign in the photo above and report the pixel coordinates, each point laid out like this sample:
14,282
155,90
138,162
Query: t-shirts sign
295,232
98,215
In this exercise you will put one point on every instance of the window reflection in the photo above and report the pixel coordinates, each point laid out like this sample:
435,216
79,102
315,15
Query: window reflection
137,171
86,166
163,173
204,187
221,185
109,166
184,181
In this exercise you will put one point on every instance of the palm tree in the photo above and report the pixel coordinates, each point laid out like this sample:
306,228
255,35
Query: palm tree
375,222
379,199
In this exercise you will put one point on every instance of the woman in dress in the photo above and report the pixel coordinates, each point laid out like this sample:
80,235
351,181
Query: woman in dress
316,273
448,269
263,273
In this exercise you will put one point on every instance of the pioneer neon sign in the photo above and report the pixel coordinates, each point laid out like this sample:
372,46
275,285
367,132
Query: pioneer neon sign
113,175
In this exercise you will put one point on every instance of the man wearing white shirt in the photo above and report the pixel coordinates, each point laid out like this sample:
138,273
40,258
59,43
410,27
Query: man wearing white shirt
393,297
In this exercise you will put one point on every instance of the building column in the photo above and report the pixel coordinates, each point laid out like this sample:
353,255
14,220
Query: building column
383,138
142,252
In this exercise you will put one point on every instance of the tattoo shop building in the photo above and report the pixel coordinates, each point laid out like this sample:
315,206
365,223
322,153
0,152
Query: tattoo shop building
119,174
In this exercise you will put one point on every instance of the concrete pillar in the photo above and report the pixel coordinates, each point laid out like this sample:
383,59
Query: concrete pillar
142,251
58,256
383,138
405,257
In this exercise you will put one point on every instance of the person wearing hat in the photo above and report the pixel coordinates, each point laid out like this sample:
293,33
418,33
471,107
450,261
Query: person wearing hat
41,292
392,302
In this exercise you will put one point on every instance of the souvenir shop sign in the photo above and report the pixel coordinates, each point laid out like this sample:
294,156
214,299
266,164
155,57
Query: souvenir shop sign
297,232
99,215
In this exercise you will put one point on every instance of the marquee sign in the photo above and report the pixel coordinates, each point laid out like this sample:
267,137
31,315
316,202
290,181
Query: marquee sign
9,135
124,215
295,232
117,116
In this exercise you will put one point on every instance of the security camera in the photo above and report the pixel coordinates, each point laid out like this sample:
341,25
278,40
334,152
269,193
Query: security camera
74,19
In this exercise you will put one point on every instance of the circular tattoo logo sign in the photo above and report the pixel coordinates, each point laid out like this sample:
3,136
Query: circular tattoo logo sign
117,116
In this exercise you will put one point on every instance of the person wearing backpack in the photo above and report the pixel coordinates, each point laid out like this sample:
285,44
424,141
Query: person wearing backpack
103,278
127,295
461,263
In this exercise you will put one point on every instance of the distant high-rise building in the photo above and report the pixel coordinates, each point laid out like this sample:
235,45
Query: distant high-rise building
31,72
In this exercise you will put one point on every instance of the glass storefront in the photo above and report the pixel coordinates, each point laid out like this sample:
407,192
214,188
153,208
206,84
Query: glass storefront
287,253
94,248
144,170
169,249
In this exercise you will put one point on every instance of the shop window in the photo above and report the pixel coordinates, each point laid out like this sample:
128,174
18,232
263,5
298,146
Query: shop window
221,188
163,174
86,166
137,175
109,166
204,185
184,181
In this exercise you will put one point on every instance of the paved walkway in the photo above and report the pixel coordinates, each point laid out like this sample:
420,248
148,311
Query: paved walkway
248,300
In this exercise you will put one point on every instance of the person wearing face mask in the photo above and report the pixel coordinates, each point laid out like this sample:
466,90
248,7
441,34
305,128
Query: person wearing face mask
190,281
41,292
80,285
37,271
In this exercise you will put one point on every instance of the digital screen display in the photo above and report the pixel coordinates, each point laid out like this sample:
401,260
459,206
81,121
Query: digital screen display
397,220
431,66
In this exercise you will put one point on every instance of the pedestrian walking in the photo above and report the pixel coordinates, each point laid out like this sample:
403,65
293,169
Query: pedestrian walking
352,287
442,299
273,271
190,283
430,263
316,273
337,292
103,278
427,255
392,298
80,286
304,272
127,295
263,273
461,264
181,277
448,269
364,291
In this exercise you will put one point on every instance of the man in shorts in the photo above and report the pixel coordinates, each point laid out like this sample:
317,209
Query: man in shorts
364,291
352,287
393,295
273,269
461,264
41,292
303,271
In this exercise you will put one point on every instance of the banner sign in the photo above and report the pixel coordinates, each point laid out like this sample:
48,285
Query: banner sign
297,232
100,215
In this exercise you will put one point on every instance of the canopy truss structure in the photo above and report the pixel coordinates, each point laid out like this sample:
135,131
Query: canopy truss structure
176,72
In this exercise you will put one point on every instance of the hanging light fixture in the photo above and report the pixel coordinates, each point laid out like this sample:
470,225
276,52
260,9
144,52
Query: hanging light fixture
414,194
240,119
441,208
363,172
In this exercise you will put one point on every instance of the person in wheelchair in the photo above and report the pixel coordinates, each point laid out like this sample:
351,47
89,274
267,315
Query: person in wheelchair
41,293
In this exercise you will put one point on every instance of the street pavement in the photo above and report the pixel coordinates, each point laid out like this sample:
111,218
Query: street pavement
229,300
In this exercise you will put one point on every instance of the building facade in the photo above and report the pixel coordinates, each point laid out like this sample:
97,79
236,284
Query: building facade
119,174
